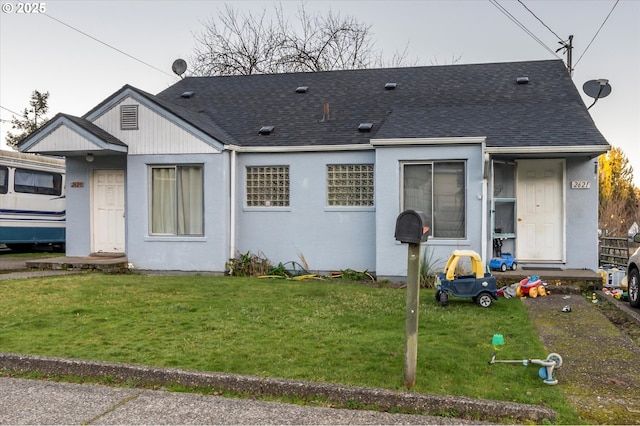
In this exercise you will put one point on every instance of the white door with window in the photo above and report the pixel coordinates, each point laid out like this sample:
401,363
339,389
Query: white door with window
108,222
540,224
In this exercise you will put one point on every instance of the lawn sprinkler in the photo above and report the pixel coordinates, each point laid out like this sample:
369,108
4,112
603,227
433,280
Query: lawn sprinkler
545,372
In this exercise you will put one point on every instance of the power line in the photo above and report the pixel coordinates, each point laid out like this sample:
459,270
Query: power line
106,44
12,112
598,32
522,26
534,15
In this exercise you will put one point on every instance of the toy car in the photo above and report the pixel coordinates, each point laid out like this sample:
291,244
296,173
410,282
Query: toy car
504,262
479,285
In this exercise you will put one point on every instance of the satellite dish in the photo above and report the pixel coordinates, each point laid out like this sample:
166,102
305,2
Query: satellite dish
597,88
179,67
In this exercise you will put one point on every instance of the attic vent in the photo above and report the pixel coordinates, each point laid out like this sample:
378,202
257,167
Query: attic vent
302,89
129,117
390,86
187,94
522,80
365,127
265,130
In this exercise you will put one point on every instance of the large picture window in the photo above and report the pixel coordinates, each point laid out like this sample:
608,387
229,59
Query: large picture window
267,186
438,190
177,200
350,185
37,182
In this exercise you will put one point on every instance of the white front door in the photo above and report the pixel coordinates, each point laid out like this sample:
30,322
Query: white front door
108,222
540,200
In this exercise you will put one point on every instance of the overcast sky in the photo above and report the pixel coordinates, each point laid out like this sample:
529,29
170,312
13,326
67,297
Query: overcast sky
49,52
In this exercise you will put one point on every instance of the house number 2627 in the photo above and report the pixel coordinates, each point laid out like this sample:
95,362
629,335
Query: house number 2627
580,184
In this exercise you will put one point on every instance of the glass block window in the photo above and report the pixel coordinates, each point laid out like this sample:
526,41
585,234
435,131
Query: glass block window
350,184
268,186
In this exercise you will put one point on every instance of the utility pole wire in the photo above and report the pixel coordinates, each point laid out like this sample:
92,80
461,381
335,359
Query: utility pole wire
522,26
12,112
552,32
597,32
106,44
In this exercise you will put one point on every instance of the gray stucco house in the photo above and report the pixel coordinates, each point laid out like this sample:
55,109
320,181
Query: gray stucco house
321,164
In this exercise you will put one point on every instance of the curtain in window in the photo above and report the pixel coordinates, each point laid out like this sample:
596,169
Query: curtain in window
449,200
190,208
418,188
163,199
438,190
37,180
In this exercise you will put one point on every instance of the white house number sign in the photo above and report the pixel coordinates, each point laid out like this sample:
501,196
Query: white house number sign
580,184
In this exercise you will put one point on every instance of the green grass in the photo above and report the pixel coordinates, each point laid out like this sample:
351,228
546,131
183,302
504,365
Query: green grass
29,255
311,330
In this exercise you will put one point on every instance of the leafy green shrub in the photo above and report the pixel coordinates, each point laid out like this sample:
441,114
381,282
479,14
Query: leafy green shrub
429,267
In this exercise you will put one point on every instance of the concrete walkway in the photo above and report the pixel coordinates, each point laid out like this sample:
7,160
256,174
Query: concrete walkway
40,402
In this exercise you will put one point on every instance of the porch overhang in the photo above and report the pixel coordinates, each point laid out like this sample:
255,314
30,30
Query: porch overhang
65,135
590,151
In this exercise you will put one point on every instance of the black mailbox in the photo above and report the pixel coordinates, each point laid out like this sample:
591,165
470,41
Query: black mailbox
411,227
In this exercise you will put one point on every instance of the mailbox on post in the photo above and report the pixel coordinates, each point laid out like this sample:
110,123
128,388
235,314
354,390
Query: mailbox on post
411,227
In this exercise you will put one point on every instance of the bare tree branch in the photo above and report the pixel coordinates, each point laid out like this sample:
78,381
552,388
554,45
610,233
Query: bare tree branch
235,43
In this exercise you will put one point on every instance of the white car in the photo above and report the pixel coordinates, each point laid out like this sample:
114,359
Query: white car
633,276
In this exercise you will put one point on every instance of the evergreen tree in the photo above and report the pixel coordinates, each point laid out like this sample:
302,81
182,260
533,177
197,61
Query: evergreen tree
32,118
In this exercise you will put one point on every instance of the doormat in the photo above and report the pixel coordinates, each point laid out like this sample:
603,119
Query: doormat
533,268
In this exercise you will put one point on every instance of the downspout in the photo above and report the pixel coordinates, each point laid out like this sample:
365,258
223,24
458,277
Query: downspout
232,206
486,159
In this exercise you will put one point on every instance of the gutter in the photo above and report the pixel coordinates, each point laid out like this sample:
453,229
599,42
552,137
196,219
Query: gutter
232,204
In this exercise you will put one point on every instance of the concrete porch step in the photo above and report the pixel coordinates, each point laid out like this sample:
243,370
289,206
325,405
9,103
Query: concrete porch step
116,264
586,279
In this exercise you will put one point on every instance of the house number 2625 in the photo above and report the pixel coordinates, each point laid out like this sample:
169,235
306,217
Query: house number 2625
580,184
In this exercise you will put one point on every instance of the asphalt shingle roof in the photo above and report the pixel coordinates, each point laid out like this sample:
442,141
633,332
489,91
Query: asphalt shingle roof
428,102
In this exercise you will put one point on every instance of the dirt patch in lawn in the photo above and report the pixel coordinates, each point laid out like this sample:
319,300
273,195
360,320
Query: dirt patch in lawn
601,357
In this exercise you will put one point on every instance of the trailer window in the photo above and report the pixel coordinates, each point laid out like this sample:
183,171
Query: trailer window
4,180
37,182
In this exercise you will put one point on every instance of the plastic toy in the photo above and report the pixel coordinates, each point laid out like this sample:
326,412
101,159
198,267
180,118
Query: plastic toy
504,262
545,372
479,285
531,286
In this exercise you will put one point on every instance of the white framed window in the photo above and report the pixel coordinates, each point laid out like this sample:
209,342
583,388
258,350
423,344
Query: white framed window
438,189
350,185
129,117
177,206
267,186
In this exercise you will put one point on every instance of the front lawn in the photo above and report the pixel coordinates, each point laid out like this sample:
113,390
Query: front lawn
322,331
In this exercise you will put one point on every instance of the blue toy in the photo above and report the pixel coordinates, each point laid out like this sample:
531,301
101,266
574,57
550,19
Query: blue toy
504,262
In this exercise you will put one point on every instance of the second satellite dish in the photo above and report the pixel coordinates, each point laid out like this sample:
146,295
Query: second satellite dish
179,67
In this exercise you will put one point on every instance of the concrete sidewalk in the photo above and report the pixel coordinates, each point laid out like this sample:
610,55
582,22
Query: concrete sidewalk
41,402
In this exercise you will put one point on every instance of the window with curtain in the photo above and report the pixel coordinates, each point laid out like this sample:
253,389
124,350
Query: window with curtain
37,182
438,190
177,206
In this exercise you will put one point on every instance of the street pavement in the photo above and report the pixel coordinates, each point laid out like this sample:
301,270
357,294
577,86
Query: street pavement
30,402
